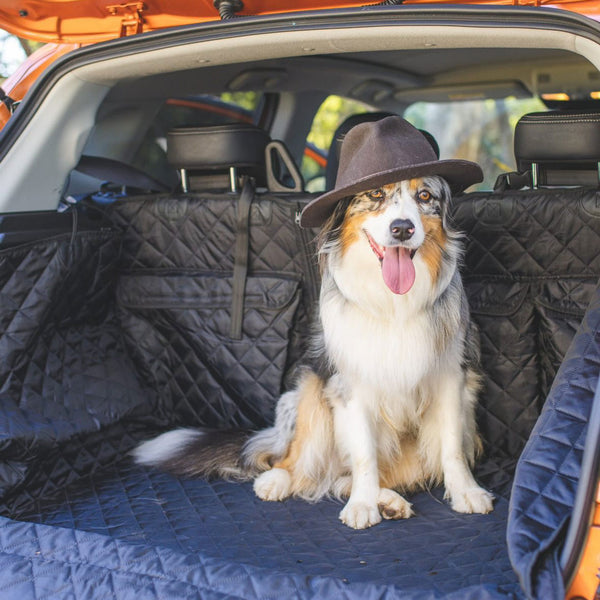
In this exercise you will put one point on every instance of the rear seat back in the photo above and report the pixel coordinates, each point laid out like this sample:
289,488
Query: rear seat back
531,266
184,259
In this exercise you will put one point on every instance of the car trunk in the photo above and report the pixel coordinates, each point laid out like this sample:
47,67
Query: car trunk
116,324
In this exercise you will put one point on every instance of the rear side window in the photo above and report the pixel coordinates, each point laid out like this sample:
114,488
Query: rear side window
477,130
195,111
205,110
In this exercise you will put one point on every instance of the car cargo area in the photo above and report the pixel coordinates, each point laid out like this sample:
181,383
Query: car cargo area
116,325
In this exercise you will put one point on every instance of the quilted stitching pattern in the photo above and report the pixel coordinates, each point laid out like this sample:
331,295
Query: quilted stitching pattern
286,543
530,270
202,376
530,233
57,563
177,327
83,384
198,231
548,471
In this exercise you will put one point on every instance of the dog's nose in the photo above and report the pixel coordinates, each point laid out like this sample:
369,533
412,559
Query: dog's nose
402,229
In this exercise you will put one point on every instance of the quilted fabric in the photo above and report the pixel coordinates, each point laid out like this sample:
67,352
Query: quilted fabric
175,295
548,471
109,336
531,266
64,370
177,326
220,535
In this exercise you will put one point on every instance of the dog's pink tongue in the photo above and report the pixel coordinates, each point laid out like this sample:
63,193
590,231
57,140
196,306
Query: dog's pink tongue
398,269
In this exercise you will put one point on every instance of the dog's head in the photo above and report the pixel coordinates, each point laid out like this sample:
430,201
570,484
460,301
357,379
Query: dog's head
398,222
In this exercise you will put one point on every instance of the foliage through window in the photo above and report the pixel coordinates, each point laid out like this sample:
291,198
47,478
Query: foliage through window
330,115
477,130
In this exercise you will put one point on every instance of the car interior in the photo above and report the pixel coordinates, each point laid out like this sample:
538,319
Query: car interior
135,299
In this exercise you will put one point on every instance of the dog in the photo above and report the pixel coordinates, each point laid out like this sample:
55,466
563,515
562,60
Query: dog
385,404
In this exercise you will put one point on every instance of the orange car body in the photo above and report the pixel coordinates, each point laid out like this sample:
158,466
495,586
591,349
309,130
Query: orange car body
87,21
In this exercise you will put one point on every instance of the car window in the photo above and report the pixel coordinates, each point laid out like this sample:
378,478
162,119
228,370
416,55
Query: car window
195,111
477,130
205,110
333,111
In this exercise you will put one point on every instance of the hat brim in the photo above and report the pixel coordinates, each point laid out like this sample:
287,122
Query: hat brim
459,174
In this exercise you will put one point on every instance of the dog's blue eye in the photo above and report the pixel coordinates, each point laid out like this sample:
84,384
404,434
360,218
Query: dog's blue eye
375,194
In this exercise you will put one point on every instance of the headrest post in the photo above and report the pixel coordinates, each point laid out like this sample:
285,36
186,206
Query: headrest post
534,175
233,179
208,153
185,184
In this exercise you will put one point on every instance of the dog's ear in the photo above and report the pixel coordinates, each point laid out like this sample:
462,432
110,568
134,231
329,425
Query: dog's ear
445,199
330,230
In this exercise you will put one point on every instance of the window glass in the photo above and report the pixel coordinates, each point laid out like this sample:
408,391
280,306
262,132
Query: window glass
330,115
206,110
477,130
196,111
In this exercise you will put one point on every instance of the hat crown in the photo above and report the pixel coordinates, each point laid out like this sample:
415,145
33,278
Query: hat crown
378,153
385,145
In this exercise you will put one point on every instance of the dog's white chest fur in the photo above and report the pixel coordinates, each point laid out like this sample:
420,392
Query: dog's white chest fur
372,336
383,354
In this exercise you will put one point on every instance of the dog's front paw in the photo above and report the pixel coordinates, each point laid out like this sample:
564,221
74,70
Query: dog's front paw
360,515
472,500
392,505
273,485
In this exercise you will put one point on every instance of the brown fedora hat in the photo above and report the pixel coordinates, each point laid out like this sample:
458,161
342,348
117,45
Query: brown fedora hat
377,153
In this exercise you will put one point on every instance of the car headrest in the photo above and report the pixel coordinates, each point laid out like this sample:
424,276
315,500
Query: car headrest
333,157
206,155
559,148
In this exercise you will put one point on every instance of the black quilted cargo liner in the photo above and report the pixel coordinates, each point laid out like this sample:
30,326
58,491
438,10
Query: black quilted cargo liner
176,326
109,335
530,269
174,302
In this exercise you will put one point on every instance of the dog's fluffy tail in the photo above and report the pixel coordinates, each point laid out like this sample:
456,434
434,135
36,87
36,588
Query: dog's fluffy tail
231,454
198,453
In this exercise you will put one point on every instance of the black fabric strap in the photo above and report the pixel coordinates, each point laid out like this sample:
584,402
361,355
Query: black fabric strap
240,267
512,181
10,103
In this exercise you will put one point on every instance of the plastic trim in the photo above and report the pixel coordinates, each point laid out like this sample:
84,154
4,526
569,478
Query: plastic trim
369,16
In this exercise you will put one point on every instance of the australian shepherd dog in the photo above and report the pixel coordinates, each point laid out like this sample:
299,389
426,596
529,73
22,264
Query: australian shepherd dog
386,402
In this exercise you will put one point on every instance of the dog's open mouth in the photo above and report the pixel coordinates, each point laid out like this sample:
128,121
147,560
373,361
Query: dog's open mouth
397,266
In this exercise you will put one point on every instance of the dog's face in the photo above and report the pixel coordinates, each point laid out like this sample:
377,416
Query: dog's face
398,221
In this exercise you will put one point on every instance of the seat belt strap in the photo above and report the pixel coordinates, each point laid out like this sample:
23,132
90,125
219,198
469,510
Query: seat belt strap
240,267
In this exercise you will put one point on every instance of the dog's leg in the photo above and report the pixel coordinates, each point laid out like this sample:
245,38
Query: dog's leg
356,440
310,464
444,433
392,505
273,485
